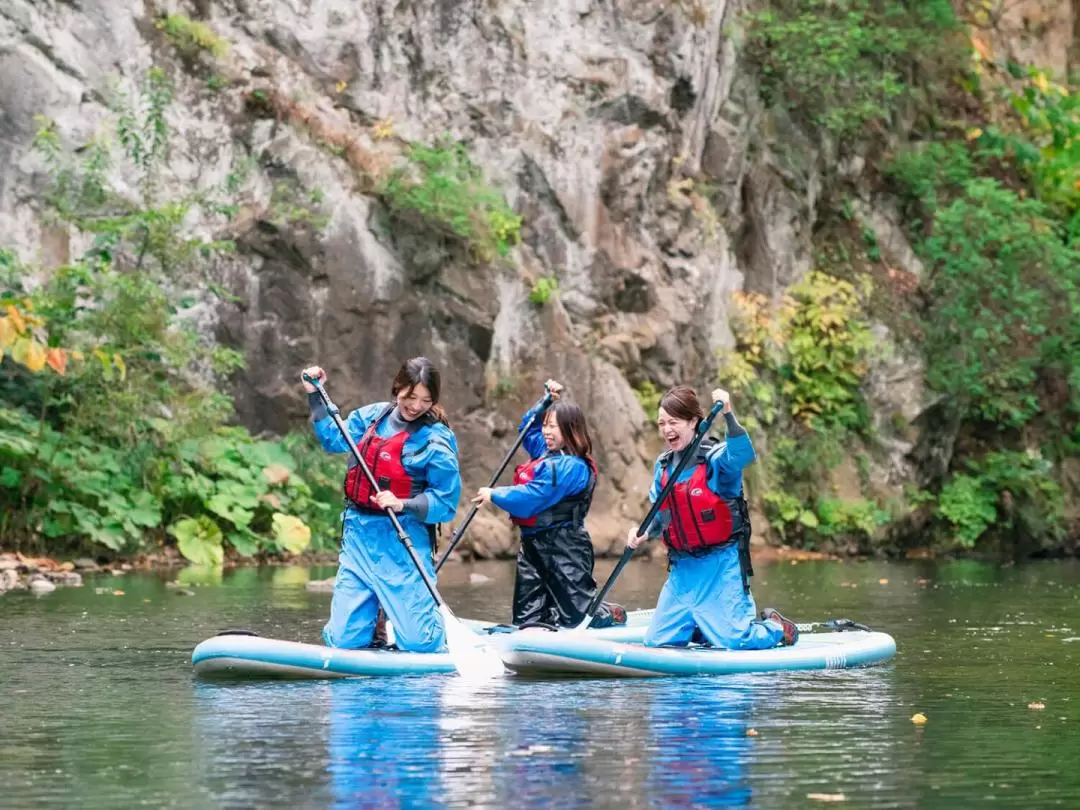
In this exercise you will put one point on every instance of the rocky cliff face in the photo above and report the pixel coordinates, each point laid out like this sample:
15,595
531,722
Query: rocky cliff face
651,181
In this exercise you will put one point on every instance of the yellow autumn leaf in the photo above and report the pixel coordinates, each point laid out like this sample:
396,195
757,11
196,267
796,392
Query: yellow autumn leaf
1041,82
974,133
8,334
384,128
118,362
28,352
16,319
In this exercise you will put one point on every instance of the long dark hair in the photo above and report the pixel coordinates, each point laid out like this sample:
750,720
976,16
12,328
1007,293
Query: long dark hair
420,371
575,432
682,403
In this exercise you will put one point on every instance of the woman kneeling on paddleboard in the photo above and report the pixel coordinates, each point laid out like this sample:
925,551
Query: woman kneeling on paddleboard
706,527
413,455
548,503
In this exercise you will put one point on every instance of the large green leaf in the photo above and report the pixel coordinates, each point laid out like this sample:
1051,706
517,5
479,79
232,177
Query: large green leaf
199,540
246,543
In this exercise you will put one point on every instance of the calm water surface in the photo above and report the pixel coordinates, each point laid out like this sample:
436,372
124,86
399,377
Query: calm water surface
99,708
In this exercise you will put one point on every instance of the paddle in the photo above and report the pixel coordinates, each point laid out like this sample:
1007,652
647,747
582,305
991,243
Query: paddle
691,450
545,402
471,656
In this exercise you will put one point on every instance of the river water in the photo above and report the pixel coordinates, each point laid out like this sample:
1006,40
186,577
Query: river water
99,709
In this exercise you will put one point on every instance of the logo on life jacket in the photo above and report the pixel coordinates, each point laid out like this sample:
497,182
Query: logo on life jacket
699,518
571,509
383,458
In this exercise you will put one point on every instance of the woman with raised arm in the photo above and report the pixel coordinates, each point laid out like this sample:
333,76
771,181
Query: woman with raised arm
413,455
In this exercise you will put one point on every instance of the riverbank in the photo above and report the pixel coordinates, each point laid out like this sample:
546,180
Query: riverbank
41,575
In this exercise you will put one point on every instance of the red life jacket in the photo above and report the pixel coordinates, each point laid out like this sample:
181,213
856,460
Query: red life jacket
571,509
699,518
383,458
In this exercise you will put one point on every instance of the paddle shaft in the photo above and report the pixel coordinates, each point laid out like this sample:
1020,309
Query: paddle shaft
403,536
459,532
691,450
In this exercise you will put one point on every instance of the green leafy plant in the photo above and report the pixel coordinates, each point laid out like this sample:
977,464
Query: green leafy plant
649,396
811,353
1003,303
191,37
441,188
847,65
543,288
1002,493
112,414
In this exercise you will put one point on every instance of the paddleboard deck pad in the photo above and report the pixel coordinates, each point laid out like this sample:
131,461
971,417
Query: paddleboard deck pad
244,655
560,654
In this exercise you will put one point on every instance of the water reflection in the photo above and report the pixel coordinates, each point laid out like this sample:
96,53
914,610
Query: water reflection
384,743
699,747
104,712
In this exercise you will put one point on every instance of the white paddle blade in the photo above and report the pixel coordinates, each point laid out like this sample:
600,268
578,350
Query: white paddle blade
472,655
584,625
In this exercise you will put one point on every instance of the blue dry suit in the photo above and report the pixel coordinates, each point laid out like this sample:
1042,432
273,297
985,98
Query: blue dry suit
373,567
706,592
554,582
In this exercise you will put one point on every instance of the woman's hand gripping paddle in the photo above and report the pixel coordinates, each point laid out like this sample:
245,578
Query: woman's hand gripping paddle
689,452
472,657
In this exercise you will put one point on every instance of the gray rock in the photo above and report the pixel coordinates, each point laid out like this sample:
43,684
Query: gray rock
652,181
40,586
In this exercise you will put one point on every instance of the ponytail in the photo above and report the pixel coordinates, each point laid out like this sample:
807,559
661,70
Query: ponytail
439,414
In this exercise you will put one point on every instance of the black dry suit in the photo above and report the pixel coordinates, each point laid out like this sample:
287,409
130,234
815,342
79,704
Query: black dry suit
549,501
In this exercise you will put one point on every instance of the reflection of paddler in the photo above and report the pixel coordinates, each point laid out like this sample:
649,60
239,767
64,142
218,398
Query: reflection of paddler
384,743
699,756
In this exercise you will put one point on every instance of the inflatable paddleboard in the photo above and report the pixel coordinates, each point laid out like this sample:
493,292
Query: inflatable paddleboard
531,653
248,656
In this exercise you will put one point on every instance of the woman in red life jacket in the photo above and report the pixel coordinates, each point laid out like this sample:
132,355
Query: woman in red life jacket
548,502
705,524
412,453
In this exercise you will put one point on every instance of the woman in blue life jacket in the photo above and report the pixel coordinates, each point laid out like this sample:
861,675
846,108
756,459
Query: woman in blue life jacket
548,501
412,453
705,524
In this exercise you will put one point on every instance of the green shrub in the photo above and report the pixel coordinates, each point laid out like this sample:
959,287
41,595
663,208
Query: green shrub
445,190
191,37
847,65
112,411
1003,303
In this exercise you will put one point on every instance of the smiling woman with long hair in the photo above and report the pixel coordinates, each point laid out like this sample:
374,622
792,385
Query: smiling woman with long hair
413,455
548,502
705,524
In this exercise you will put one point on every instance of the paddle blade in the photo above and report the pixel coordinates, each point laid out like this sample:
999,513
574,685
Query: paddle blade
583,626
472,655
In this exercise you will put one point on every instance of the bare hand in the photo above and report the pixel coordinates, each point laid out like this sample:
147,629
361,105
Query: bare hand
312,371
633,539
388,500
720,395
554,388
483,495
